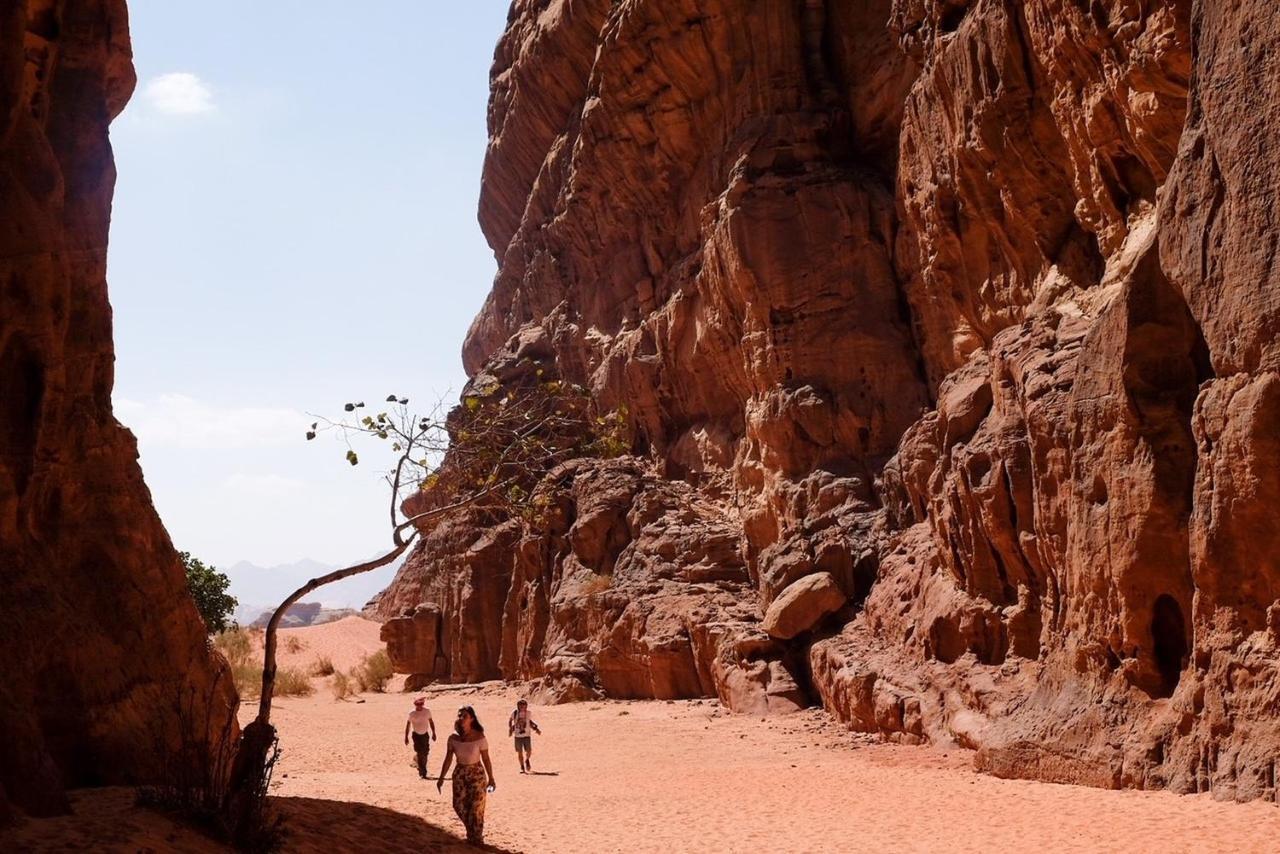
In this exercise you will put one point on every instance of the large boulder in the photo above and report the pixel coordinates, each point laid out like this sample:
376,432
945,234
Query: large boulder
803,605
413,643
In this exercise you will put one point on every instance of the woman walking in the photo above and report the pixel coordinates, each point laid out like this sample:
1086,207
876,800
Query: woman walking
473,774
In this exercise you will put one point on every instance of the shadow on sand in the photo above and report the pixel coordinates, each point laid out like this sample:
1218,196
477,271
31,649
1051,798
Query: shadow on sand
314,824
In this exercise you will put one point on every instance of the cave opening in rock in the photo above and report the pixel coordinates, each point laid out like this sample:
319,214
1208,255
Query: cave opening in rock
1169,636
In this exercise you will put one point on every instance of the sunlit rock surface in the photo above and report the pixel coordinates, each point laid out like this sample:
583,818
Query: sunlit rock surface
969,307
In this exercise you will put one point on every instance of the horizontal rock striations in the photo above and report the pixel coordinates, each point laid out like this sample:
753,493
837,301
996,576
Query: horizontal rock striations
945,331
106,663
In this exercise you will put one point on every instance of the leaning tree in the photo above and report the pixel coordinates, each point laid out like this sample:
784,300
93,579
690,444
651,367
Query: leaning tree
489,451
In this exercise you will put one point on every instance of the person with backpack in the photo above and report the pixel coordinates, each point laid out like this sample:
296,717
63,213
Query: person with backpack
521,725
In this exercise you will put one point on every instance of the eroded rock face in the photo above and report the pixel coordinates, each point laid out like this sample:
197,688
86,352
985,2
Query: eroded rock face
962,311
101,643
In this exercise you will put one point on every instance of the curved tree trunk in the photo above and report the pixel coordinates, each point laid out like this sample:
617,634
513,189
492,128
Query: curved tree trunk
248,782
269,641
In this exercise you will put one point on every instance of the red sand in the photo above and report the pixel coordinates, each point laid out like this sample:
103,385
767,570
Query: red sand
655,777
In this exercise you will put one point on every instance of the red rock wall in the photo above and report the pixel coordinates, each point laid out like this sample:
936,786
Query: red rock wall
963,310
99,637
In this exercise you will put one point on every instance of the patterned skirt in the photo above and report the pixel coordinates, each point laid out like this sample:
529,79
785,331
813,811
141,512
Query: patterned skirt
469,782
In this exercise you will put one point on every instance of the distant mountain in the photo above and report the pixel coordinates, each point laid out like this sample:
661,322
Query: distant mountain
261,588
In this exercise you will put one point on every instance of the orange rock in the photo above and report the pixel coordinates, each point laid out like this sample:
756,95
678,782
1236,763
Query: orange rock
101,643
963,309
803,605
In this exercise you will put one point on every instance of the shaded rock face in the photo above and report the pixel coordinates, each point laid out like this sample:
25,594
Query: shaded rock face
961,310
101,642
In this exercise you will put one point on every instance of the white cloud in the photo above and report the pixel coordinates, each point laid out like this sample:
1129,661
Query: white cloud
178,421
179,93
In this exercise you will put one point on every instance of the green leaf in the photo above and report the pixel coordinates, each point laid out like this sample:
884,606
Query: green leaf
352,458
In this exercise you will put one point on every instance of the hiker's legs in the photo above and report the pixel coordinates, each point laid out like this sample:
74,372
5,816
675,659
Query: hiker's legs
469,783
421,748
523,748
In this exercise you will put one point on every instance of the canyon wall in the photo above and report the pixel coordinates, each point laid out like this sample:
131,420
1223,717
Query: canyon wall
945,331
106,664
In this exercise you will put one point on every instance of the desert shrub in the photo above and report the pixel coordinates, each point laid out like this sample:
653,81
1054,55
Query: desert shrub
247,676
292,682
374,671
322,666
238,646
293,644
234,643
341,686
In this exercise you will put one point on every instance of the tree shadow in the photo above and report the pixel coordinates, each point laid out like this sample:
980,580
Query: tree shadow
315,824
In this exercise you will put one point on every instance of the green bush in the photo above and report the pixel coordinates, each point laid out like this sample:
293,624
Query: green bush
209,590
341,686
322,666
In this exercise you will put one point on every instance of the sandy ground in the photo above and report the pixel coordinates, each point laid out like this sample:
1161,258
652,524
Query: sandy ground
344,642
654,777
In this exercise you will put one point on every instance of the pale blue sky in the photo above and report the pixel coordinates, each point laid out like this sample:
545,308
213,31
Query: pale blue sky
294,226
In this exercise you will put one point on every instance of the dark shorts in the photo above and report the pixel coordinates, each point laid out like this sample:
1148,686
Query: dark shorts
421,742
525,743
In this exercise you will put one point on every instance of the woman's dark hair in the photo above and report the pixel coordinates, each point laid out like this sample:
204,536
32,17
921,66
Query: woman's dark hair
475,721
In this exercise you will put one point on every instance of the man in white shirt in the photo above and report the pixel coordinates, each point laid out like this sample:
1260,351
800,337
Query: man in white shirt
418,725
522,726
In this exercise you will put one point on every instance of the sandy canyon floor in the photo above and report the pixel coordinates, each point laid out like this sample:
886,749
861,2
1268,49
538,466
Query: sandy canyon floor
655,776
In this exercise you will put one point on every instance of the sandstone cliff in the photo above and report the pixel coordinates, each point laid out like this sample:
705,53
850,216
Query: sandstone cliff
100,640
947,334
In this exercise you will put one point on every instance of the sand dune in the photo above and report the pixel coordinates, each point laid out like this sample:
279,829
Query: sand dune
344,642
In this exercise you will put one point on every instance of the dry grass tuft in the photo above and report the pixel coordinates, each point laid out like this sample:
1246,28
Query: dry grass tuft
292,682
373,673
341,686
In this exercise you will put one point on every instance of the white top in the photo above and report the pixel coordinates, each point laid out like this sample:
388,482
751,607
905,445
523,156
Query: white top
521,723
420,719
468,752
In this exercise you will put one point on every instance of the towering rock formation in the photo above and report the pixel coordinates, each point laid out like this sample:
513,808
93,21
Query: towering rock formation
946,331
106,664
